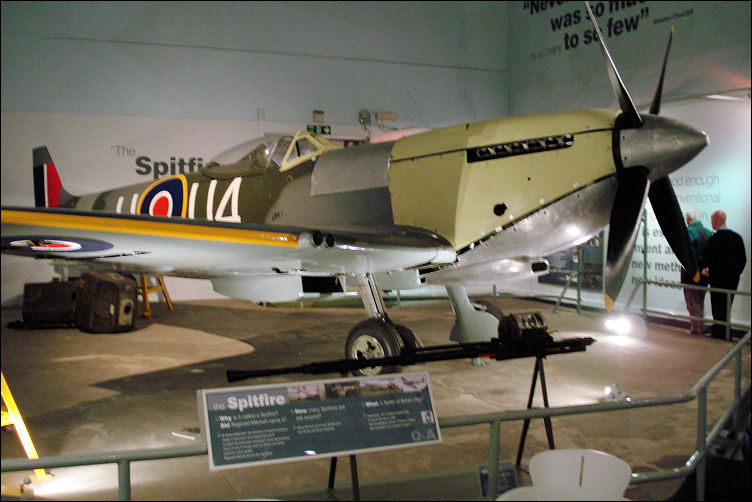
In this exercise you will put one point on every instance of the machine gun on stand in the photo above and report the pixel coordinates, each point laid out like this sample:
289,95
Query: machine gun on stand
520,335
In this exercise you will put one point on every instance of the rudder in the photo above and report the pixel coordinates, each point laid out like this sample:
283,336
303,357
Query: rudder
48,189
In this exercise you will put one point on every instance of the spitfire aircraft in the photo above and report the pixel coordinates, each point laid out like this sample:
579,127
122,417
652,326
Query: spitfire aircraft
477,203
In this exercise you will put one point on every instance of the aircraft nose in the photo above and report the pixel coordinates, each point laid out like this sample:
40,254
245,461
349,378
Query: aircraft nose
661,144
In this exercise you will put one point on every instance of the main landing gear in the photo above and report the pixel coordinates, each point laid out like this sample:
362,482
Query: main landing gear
380,337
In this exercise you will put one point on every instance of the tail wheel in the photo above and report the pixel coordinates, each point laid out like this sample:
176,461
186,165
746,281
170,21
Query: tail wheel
372,339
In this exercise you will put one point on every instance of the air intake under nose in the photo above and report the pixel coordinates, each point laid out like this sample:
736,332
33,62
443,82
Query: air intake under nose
539,266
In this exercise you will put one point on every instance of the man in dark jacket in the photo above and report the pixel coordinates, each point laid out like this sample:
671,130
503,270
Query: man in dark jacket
695,298
723,262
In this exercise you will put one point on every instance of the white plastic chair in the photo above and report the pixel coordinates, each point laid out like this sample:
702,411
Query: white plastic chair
579,474
521,493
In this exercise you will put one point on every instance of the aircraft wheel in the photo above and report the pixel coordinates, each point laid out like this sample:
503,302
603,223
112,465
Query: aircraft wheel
491,308
371,339
410,340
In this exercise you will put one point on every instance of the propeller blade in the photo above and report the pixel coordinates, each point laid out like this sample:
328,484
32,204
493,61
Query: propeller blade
626,104
655,107
626,213
670,218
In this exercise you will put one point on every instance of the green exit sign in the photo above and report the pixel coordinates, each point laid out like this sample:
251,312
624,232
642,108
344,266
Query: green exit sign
319,129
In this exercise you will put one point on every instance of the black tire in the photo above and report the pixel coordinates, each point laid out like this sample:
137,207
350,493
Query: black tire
491,308
371,339
410,340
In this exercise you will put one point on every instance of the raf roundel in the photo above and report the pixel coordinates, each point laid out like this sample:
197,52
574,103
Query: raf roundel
46,245
161,204
42,244
165,197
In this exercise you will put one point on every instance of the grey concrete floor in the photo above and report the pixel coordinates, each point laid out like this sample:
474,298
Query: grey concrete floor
82,393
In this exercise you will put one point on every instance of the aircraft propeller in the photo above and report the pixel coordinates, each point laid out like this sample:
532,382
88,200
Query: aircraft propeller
663,199
635,183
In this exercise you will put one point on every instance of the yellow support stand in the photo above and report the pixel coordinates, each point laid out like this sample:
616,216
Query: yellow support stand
13,417
144,290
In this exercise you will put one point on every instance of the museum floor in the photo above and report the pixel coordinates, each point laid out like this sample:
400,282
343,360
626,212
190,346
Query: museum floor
82,393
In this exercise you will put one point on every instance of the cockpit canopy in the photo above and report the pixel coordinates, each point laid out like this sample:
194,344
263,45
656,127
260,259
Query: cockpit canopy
273,151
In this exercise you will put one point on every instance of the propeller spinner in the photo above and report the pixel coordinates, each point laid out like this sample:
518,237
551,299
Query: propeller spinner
650,147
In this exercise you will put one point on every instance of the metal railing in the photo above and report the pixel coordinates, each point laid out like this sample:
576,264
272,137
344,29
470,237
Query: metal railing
570,276
678,285
695,462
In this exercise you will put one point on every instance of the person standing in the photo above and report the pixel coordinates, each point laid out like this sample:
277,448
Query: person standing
723,262
695,298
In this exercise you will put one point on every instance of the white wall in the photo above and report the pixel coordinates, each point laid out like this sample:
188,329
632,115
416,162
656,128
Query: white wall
430,63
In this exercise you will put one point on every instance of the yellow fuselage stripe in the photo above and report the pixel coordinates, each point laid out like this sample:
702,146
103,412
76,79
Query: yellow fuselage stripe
161,229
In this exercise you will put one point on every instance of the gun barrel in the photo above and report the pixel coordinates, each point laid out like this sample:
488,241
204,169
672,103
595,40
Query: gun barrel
492,348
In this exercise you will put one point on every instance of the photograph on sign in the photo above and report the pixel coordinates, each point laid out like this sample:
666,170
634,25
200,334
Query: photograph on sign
286,422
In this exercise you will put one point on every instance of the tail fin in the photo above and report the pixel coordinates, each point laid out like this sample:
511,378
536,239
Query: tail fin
48,189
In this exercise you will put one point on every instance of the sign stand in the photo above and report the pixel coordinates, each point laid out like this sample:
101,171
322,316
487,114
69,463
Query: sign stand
353,474
546,420
353,466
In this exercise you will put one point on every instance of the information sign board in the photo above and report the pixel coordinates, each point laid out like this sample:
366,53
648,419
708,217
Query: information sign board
284,422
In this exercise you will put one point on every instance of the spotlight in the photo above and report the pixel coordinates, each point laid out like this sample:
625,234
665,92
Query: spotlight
615,393
618,325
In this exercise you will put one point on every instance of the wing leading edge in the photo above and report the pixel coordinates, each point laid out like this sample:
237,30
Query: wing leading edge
203,249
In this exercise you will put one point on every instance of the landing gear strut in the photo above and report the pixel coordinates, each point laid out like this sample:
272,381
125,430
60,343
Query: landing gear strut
378,336
472,324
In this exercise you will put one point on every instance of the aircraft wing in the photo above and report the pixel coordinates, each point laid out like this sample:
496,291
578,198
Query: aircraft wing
226,253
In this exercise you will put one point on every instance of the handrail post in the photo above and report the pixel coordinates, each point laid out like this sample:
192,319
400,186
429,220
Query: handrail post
493,458
702,398
739,418
729,299
563,291
639,282
579,278
645,265
738,375
124,479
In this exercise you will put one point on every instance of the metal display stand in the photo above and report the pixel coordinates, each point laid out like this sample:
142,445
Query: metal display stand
353,475
353,469
546,420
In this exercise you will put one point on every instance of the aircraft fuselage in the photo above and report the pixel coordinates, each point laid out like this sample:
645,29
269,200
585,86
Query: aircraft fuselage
467,182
